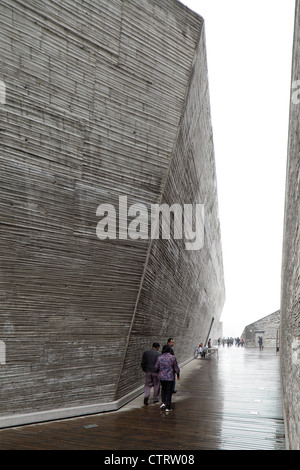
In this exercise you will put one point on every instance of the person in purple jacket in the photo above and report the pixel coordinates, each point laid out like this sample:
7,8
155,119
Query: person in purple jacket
166,366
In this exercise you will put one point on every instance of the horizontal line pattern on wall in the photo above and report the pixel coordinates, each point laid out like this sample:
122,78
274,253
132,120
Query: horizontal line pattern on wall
95,92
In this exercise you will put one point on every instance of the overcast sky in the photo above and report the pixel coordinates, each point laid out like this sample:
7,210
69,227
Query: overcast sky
249,51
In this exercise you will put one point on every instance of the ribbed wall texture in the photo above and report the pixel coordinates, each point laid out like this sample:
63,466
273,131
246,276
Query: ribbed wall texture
183,290
103,99
290,287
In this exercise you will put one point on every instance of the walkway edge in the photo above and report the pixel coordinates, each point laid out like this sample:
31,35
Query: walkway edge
72,412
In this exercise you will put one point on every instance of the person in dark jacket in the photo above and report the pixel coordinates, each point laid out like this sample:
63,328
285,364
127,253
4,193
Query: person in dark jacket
151,379
166,366
171,343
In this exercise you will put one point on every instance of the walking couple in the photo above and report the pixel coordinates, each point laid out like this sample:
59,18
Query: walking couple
161,370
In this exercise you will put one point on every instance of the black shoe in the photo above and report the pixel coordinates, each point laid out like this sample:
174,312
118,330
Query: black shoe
146,400
174,391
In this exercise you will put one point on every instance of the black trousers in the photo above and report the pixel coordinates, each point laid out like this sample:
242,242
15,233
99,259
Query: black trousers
166,392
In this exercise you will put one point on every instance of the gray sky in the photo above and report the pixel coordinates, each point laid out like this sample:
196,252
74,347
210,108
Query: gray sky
249,49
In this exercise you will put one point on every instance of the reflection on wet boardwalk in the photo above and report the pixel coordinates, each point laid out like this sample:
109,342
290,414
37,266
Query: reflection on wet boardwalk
229,401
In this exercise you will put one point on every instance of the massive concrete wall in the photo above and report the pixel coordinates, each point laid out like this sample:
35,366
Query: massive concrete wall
290,289
101,99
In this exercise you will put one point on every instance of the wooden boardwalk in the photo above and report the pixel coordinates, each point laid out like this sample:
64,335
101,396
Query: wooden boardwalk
227,401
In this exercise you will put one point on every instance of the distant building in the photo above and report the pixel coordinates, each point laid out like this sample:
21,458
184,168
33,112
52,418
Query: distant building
267,327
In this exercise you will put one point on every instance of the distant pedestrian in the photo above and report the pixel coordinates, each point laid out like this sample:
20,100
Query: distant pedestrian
167,367
260,342
151,379
202,350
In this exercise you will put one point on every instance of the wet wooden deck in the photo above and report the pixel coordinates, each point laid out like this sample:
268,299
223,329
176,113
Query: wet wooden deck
227,401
